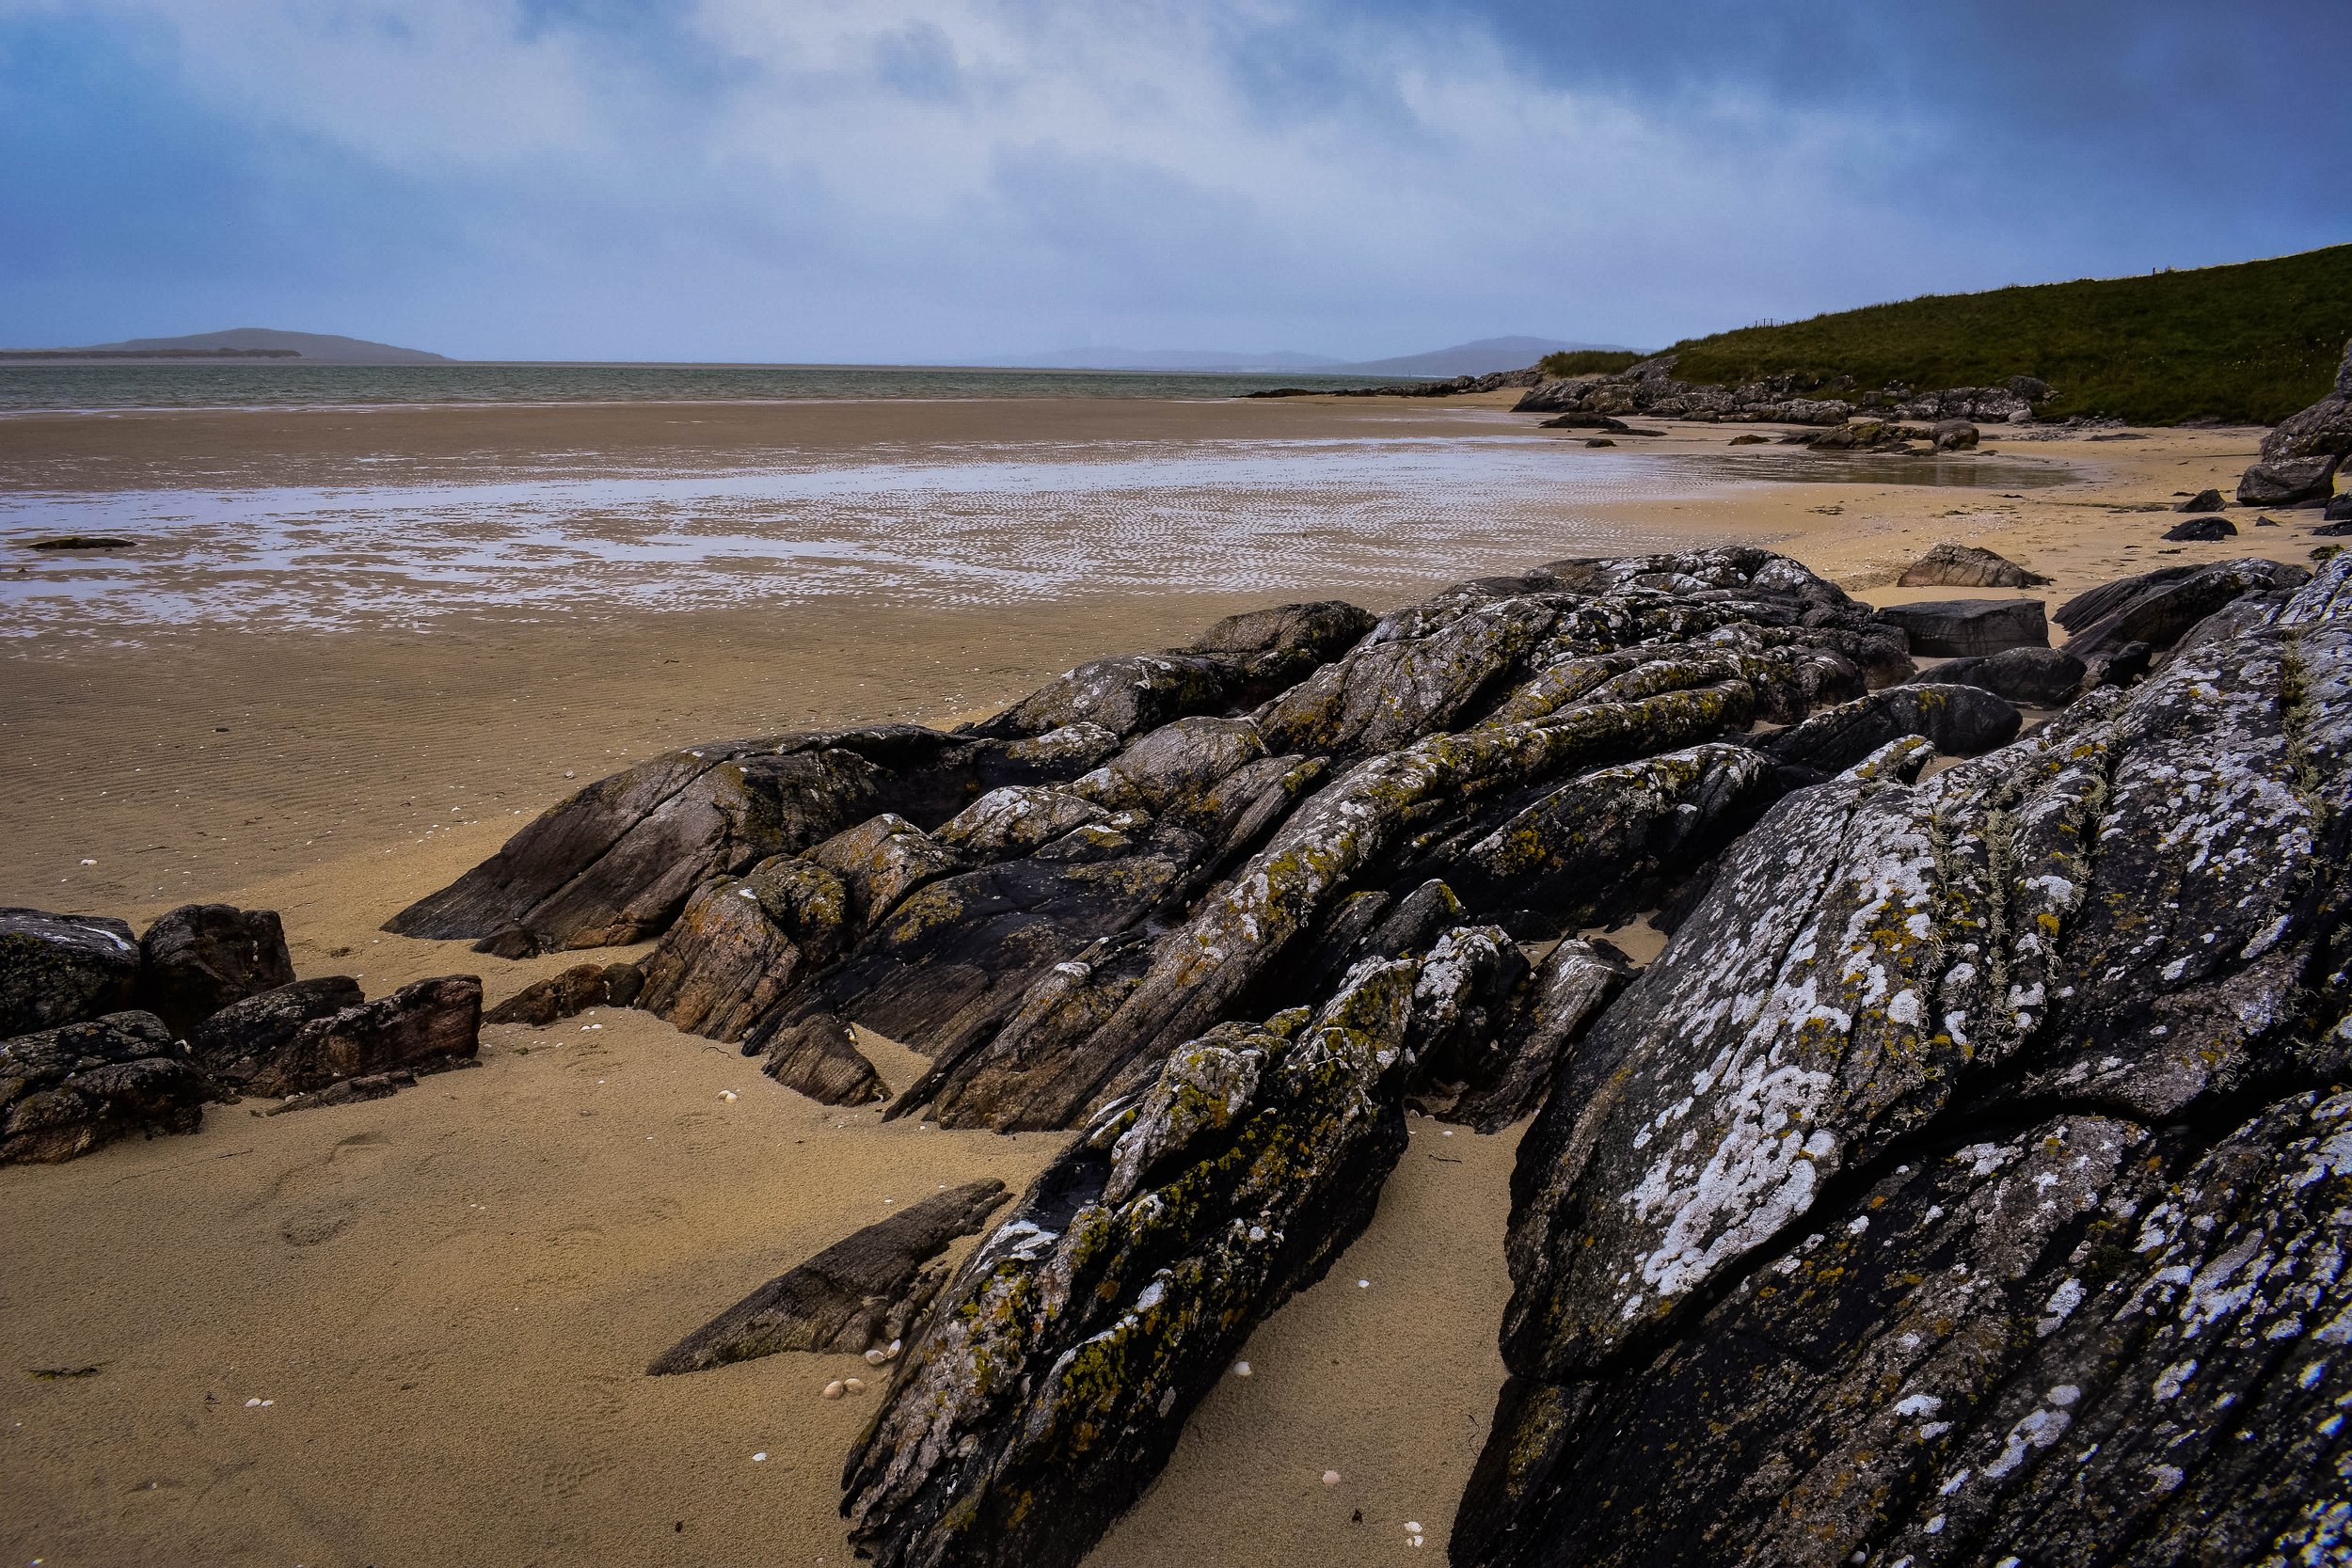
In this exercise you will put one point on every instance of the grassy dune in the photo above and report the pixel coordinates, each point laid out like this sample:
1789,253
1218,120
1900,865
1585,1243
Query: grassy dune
2249,342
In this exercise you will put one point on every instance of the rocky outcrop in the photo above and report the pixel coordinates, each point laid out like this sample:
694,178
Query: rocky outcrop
201,958
424,1025
1949,565
867,1291
1060,1365
1650,388
66,1090
1969,628
63,969
1962,1183
617,861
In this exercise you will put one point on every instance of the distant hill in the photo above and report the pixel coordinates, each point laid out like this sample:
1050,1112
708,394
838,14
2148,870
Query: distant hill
1479,358
1487,354
258,342
2250,343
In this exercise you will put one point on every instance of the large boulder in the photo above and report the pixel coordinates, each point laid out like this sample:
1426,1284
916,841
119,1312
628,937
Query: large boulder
865,1291
568,994
63,968
426,1025
818,1056
199,957
1967,628
2201,530
1949,565
1958,1170
2289,482
65,1091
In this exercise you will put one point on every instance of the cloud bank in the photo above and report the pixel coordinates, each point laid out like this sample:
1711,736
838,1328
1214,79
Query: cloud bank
903,181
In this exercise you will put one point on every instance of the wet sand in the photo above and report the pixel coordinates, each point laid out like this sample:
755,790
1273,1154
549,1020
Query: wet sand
449,1296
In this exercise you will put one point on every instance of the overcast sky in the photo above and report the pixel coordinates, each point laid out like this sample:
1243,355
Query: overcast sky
925,182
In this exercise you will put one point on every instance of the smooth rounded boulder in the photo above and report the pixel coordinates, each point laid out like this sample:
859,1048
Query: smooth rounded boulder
201,958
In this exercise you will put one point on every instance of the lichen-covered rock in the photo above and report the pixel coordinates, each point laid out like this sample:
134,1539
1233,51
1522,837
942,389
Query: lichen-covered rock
1018,819
869,1289
882,859
818,1056
1123,695
1949,565
1960,719
234,1044
426,1024
65,1091
2321,430
2031,678
199,957
1969,628
1173,763
1276,648
1418,669
63,968
1059,1366
1946,1149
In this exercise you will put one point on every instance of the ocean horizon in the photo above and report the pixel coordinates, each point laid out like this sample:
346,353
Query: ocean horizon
125,387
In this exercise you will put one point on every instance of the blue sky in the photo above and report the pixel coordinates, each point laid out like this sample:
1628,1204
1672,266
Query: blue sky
886,181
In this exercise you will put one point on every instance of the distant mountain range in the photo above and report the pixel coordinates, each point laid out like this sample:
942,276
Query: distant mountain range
244,342
1477,358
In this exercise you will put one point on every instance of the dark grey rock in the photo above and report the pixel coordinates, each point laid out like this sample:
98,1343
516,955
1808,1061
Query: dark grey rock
234,1044
867,1291
1965,629
427,1022
2031,678
63,968
67,1090
199,957
2202,528
818,1056
2155,608
2288,481
1964,720
2204,500
2339,510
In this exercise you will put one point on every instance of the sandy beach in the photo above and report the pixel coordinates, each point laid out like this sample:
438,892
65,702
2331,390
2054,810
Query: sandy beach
448,1297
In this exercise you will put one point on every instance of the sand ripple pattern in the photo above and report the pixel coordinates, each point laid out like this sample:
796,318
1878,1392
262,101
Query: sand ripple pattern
983,525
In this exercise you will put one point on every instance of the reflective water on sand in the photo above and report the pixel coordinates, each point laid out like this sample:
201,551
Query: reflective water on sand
575,535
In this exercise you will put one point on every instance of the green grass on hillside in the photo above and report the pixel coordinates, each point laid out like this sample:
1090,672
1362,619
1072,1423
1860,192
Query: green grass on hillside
2249,342
1585,361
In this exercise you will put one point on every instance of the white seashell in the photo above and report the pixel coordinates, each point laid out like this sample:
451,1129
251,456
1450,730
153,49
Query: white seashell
854,1385
253,1404
1413,1526
1364,1285
759,1458
728,1094
1330,1478
834,1390
875,1357
1241,1369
